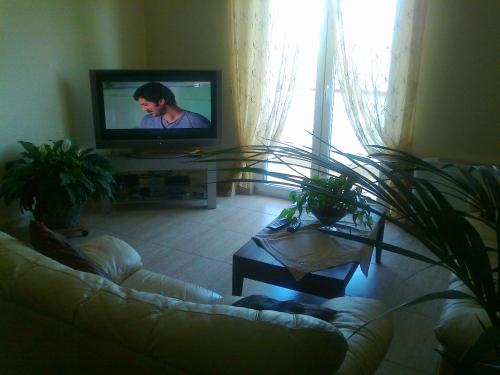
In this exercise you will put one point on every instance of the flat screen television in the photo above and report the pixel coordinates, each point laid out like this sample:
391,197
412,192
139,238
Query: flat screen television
121,121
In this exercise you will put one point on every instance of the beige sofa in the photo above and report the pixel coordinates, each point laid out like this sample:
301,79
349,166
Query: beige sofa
56,320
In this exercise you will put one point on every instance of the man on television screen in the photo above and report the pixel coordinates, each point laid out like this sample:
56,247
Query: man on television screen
163,112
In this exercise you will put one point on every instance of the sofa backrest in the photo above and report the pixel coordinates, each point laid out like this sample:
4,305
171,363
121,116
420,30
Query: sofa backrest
190,337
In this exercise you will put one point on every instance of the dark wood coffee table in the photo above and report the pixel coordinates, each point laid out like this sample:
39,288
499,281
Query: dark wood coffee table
253,262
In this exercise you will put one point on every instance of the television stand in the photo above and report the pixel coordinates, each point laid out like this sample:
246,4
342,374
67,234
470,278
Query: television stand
145,162
190,153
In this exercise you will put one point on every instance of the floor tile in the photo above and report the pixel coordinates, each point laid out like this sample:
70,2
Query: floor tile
378,285
205,272
214,217
249,222
263,204
414,343
214,243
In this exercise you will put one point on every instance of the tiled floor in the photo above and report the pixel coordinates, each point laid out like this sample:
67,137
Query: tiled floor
196,245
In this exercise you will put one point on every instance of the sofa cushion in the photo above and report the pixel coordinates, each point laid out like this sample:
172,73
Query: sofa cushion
115,256
55,246
152,282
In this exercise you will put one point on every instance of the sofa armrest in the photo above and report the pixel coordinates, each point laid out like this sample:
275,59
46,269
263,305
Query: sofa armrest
368,347
115,256
459,326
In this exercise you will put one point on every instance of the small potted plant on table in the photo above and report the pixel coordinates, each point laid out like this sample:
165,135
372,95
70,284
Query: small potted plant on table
329,199
54,181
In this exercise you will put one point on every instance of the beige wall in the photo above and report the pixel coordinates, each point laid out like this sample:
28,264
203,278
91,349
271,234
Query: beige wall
47,48
192,34
458,108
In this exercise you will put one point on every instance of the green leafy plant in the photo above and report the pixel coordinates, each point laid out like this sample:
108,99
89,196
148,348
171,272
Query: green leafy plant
55,177
329,198
414,196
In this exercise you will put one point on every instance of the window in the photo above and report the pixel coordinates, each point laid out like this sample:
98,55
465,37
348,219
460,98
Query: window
317,105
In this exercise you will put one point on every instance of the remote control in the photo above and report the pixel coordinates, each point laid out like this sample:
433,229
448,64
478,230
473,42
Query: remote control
278,223
294,226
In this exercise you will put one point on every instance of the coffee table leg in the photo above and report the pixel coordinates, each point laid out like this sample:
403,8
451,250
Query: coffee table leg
237,279
380,239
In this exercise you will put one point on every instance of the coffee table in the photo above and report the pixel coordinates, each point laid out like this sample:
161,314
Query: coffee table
253,262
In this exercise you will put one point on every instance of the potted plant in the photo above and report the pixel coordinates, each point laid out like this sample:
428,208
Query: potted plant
329,199
421,207
53,181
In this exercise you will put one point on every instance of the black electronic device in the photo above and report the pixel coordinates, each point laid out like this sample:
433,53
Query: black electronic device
294,225
278,223
120,122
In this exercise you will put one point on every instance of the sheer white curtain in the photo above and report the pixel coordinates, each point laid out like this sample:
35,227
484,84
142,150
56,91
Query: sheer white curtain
264,62
377,75
378,79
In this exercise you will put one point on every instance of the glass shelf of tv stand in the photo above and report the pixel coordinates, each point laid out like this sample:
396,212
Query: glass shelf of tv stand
126,164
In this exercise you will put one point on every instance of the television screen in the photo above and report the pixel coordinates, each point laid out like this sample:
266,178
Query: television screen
140,109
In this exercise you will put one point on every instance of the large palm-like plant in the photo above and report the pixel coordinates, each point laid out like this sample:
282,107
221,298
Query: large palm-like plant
419,205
